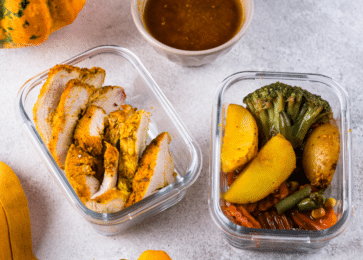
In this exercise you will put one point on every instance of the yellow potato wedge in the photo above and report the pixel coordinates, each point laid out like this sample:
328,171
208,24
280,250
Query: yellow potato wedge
240,141
265,173
321,154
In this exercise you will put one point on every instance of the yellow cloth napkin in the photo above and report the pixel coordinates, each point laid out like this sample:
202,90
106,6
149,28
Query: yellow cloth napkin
15,232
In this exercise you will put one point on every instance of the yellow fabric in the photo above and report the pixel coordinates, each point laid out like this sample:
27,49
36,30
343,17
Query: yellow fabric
15,242
5,250
154,255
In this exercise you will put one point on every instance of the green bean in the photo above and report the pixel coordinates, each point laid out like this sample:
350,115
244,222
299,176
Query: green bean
315,201
318,198
292,200
307,204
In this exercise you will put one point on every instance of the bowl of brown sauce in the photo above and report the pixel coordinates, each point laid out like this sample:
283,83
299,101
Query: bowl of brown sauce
192,32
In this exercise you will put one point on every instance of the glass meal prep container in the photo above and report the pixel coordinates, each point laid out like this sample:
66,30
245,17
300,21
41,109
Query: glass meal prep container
123,69
232,90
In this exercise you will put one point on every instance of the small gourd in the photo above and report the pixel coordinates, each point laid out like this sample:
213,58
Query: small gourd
30,22
154,255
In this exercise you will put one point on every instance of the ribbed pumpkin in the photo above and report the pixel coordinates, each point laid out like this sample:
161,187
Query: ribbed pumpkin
30,22
154,255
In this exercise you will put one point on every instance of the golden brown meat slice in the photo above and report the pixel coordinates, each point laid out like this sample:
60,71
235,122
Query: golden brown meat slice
115,121
90,129
111,201
109,198
155,170
80,171
110,162
79,162
52,90
94,76
73,100
110,98
133,136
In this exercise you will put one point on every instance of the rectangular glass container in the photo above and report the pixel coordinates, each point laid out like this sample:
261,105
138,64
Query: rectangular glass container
123,69
232,90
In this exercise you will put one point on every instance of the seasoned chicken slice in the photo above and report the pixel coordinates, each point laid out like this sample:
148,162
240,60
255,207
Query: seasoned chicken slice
111,201
155,170
115,121
49,97
80,171
94,77
52,90
73,100
85,186
89,130
110,98
111,165
132,142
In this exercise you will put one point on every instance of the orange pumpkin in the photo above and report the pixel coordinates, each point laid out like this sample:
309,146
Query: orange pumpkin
30,22
154,255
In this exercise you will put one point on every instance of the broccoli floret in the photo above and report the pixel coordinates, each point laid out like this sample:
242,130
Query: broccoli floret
288,110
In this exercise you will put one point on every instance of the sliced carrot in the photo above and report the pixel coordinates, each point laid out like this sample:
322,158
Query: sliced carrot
251,219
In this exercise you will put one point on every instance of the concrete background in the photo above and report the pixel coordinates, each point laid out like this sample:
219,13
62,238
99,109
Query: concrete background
294,36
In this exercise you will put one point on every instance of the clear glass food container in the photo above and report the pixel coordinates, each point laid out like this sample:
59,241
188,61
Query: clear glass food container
232,90
123,69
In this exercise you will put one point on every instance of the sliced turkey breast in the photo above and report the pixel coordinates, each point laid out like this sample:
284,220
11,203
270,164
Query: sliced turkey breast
73,100
111,166
52,90
111,201
155,170
94,76
80,171
133,137
49,97
115,122
90,129
85,186
110,98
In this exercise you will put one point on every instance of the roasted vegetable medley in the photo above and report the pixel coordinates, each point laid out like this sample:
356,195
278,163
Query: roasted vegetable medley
279,155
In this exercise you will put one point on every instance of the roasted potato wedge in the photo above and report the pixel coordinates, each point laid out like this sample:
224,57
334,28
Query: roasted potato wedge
240,141
265,173
321,154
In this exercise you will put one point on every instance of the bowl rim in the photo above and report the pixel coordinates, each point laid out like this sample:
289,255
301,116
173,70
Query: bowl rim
155,43
234,231
152,201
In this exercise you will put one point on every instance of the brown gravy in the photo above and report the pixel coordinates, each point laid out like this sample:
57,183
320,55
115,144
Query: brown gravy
193,24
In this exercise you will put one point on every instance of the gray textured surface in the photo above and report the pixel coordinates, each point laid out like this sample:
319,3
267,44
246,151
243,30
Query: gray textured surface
296,36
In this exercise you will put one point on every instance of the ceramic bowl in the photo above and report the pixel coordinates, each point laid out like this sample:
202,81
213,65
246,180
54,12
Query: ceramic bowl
190,58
